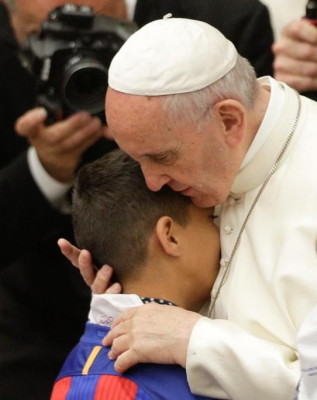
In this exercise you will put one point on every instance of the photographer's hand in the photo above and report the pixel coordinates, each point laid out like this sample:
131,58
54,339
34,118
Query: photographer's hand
112,8
99,282
61,145
296,56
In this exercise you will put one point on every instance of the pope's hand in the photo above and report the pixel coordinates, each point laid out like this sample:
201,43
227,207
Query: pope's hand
99,281
296,56
151,334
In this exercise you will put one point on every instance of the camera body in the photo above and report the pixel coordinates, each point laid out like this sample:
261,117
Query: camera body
70,57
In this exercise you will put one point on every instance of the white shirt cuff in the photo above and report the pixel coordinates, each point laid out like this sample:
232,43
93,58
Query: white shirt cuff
53,190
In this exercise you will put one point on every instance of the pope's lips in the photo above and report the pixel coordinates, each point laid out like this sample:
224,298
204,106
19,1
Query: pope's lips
185,191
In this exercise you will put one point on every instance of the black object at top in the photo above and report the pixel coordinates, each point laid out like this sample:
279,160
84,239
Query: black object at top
311,9
76,16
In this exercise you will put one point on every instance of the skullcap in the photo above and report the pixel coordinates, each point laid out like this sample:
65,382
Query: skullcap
170,56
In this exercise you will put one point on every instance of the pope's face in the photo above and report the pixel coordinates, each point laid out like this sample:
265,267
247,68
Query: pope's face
201,251
198,164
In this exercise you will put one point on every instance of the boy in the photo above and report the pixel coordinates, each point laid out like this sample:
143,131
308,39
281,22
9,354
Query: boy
162,248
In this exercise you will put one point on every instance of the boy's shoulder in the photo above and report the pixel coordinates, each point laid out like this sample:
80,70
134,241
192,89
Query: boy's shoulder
89,369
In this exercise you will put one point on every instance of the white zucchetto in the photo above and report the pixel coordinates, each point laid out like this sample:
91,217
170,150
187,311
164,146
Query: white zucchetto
170,56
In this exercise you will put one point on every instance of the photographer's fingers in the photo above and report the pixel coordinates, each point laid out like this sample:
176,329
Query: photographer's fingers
59,132
284,64
301,30
107,132
295,50
29,123
84,137
301,83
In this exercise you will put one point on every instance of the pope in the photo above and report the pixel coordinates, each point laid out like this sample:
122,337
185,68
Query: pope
189,109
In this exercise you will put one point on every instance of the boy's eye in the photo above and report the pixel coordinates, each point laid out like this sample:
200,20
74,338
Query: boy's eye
212,217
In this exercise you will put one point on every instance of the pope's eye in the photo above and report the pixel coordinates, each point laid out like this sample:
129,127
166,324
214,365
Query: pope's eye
162,158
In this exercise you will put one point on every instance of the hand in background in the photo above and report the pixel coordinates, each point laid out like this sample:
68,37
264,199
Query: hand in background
99,281
61,145
296,56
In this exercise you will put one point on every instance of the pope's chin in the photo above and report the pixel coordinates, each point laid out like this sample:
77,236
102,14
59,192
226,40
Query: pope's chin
204,201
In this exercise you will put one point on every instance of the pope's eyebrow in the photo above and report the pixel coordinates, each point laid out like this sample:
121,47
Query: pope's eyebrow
161,154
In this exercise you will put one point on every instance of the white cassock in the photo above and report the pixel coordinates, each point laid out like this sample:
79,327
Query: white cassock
248,352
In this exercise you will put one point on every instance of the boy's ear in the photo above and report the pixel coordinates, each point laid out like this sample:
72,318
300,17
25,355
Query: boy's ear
168,235
232,114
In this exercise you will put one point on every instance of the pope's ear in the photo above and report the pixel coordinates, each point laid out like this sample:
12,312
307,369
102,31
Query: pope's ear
168,235
232,116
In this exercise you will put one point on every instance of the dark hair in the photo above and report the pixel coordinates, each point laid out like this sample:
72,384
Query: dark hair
114,213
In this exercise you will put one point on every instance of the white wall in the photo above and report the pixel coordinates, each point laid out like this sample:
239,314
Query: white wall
283,12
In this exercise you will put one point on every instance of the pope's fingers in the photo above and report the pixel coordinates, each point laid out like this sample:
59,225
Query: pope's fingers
29,123
119,345
125,361
125,316
120,326
69,251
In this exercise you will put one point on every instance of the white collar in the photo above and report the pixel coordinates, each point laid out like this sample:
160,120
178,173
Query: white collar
279,143
105,308
272,114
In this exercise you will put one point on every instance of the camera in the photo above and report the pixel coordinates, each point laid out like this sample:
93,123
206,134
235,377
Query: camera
70,56
311,11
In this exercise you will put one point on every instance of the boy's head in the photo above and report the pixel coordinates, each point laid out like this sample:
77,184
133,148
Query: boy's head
157,242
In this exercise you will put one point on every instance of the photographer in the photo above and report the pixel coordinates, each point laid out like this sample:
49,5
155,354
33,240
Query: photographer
37,326
296,57
39,323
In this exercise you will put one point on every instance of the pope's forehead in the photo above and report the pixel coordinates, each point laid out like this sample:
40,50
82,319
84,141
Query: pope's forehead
130,100
139,124
135,111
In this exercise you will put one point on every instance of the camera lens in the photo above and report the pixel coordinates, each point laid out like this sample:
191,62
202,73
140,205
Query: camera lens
84,85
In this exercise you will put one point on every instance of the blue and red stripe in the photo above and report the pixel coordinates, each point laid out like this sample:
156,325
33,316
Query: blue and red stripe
96,387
